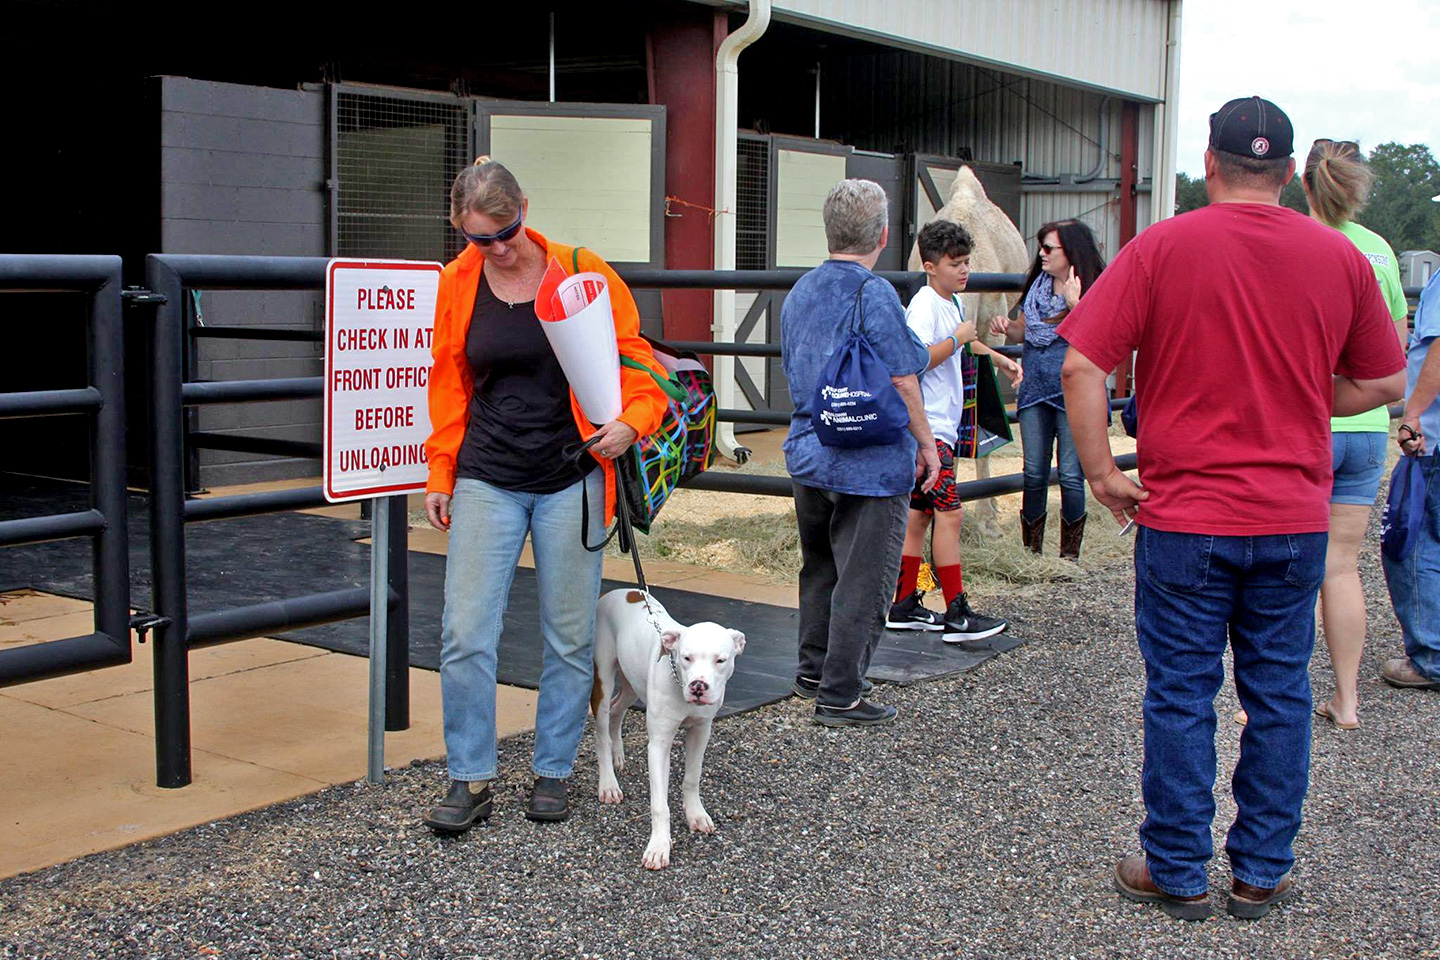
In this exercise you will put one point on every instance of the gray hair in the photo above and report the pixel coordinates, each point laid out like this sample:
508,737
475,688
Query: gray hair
856,212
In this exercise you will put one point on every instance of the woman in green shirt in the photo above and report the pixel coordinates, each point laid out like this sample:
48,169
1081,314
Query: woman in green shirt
1337,183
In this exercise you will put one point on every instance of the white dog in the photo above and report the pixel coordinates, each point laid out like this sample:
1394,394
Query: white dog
680,673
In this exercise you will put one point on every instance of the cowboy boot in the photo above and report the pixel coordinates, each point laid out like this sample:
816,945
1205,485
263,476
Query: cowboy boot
1032,533
1072,532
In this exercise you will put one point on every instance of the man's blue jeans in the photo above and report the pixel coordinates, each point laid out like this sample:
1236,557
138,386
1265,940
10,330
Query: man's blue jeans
1415,581
1192,591
487,531
1043,431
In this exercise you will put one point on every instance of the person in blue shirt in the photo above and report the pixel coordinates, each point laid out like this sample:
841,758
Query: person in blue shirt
1415,581
850,503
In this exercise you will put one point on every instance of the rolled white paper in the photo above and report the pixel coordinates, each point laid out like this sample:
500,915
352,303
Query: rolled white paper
584,343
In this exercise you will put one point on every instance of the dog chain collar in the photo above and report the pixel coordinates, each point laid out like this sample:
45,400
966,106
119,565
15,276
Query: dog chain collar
655,622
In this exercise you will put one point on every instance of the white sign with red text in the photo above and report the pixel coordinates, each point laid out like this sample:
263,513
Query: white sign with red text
379,328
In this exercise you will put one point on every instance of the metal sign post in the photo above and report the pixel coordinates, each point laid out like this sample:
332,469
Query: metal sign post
379,613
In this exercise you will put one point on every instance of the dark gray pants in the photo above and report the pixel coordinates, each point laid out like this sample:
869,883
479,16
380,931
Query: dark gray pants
850,547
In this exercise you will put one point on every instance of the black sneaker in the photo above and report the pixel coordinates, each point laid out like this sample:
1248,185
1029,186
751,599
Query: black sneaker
807,689
861,713
910,614
460,809
962,623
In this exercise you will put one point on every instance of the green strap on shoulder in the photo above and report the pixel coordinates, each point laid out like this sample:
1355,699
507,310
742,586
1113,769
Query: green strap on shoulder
673,388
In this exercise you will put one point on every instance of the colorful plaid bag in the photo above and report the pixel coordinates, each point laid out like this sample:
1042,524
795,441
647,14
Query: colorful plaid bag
684,444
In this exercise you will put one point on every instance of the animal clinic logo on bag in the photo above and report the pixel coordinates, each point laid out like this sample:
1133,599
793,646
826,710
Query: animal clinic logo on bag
379,326
855,404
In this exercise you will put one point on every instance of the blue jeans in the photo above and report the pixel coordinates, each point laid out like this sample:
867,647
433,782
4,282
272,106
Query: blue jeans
1358,462
1042,429
1191,592
1415,581
487,531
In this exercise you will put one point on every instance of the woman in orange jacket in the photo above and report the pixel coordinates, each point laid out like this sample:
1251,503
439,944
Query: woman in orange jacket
501,412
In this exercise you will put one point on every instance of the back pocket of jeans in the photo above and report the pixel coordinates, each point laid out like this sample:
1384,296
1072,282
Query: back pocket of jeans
1307,559
1179,562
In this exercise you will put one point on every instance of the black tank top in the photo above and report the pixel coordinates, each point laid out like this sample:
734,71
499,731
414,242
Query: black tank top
520,418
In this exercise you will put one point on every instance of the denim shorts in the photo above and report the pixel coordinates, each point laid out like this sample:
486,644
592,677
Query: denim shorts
1359,462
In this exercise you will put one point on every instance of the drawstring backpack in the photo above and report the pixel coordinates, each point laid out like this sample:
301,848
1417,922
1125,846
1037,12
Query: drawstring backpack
855,404
1404,509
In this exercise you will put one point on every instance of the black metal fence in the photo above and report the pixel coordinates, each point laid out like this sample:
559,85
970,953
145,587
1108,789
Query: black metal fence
97,279
177,629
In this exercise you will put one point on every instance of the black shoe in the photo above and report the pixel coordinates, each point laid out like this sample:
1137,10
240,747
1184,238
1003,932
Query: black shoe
807,689
861,713
460,809
910,614
962,623
549,801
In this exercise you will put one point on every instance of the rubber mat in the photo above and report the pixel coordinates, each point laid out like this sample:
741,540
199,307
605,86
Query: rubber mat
236,562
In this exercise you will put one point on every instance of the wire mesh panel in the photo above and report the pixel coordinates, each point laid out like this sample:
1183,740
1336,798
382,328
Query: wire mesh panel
752,208
397,157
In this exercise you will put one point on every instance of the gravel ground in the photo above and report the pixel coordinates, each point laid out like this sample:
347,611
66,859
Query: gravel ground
983,823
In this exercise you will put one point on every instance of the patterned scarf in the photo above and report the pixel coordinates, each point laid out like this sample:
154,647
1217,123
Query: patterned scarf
1041,303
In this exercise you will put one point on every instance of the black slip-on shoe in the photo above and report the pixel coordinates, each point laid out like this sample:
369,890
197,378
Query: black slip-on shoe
549,800
807,689
861,713
460,809
911,614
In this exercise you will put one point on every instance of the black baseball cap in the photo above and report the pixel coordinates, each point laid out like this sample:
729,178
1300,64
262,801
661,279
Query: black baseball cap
1252,127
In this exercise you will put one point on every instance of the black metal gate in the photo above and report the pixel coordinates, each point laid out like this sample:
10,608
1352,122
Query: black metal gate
97,278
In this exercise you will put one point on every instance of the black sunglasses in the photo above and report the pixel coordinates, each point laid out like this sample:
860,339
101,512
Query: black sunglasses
485,239
1049,249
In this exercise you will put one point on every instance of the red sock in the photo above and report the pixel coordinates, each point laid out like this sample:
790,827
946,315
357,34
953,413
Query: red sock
909,577
950,582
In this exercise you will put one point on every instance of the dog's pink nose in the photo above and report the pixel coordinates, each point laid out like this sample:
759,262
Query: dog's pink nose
699,687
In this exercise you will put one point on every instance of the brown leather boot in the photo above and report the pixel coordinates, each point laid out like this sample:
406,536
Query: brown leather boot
1249,902
1032,533
1132,881
1072,533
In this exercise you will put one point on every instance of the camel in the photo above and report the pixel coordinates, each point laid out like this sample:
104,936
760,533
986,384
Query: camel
999,248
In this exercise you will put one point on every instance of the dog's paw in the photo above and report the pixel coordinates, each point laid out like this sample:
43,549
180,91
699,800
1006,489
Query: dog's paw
611,794
618,756
657,855
700,822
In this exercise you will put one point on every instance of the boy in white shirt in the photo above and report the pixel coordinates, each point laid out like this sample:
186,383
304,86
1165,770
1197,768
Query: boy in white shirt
937,318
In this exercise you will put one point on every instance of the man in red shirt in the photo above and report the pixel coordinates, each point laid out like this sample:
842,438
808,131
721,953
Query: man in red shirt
1254,324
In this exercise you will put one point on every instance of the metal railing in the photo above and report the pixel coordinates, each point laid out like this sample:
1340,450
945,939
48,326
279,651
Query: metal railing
177,629
98,278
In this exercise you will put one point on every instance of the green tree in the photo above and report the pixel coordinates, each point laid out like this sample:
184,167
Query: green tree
1189,193
1400,210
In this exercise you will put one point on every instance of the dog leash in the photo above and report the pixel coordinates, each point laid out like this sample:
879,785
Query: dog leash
626,543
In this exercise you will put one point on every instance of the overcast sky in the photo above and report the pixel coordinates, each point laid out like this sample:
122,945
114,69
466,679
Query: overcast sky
1343,69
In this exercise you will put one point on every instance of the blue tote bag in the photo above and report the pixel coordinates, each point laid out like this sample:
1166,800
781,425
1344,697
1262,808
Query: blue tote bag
855,404
1404,509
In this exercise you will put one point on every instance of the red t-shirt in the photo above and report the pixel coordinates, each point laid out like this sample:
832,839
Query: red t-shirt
1241,313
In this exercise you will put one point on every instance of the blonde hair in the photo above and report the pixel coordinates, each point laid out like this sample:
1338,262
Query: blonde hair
485,187
1338,181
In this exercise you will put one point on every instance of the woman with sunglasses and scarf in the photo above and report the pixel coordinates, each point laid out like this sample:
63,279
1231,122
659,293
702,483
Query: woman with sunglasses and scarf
1066,265
501,413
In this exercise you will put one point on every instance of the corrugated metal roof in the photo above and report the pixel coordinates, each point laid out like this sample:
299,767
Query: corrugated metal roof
1112,45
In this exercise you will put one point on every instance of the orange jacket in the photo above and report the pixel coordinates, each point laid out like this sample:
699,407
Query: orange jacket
452,382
